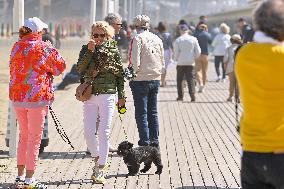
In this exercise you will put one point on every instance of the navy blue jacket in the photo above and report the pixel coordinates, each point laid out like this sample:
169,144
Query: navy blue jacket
204,39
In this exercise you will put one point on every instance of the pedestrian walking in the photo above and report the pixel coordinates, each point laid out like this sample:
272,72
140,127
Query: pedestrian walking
46,36
33,63
57,37
229,63
100,63
201,67
246,30
220,43
186,51
146,57
168,48
259,71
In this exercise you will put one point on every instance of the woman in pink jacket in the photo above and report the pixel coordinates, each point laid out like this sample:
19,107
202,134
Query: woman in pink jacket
33,63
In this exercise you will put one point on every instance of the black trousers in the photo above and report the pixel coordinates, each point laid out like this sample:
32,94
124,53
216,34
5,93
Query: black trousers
219,60
186,72
262,171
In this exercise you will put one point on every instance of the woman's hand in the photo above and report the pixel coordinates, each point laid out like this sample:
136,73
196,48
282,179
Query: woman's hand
121,102
91,45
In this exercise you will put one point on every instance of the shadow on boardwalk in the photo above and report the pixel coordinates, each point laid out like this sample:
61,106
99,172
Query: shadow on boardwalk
203,187
69,155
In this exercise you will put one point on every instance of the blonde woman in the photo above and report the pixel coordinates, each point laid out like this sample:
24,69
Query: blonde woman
220,43
99,61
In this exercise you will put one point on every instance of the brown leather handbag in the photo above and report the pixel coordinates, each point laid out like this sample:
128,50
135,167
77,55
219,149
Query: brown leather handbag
84,91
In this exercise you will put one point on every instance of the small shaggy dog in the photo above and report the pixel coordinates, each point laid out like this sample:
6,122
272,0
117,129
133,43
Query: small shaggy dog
133,157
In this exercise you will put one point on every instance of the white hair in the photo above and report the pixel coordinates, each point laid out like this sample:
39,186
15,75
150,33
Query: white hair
112,17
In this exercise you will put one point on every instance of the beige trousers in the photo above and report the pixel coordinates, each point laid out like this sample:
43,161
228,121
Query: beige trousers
201,68
233,85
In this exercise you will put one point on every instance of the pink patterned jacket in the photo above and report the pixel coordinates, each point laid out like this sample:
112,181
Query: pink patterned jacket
33,63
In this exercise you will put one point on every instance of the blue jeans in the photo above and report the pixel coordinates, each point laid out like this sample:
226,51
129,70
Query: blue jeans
146,112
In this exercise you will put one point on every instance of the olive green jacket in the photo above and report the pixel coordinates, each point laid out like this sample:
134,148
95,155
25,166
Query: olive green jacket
107,60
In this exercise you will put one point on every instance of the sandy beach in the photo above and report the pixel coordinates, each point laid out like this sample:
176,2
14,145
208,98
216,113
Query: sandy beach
70,49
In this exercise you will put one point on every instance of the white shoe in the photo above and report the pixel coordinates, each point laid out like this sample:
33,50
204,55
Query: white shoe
112,149
201,89
99,174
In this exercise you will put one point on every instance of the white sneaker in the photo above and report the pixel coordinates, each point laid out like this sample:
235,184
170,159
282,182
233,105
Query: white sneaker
112,149
33,184
201,89
99,174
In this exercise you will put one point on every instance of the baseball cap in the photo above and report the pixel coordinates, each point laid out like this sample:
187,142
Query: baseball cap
183,27
141,21
236,37
35,24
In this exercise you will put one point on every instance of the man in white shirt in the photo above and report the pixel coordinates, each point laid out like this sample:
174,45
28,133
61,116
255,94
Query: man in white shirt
146,57
186,51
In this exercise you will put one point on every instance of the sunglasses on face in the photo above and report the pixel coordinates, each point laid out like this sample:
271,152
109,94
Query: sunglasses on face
119,24
97,35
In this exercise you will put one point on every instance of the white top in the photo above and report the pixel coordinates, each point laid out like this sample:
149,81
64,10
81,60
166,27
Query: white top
261,37
220,43
229,58
146,55
186,50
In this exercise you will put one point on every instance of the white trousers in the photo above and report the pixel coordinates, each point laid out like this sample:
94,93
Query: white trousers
102,105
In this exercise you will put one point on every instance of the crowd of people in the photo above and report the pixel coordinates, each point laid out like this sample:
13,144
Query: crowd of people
258,59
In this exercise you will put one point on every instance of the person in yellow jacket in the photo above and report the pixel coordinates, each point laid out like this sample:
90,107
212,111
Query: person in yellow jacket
259,70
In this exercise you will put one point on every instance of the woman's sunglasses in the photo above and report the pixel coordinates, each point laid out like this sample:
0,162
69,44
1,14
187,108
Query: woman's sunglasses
96,35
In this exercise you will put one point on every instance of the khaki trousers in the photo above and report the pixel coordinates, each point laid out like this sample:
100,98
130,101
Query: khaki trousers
233,85
201,68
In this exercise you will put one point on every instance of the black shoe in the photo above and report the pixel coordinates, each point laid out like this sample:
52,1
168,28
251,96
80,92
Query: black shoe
88,152
192,96
179,99
155,145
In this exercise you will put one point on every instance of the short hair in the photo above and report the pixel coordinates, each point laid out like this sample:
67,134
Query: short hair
112,17
224,28
108,29
202,18
161,27
182,21
269,18
241,20
24,31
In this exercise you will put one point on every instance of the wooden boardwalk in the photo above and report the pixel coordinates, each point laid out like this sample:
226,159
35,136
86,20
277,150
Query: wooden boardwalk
199,144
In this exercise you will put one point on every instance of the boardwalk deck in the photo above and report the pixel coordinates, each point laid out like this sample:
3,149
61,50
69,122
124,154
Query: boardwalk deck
199,145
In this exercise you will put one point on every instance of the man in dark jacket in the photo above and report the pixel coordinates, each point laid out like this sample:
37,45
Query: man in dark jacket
246,30
204,39
46,36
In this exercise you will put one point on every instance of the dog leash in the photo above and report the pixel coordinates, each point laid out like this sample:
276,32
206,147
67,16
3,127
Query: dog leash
121,111
59,128
237,108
